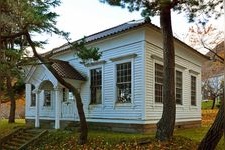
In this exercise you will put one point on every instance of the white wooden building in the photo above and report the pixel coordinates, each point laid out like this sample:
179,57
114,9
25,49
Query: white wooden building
121,91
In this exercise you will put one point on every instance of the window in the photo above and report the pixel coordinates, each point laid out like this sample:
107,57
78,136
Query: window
33,96
70,95
158,83
96,86
179,87
47,98
64,95
123,83
193,90
67,95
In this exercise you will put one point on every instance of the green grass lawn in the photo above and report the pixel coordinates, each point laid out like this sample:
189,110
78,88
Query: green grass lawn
6,128
207,104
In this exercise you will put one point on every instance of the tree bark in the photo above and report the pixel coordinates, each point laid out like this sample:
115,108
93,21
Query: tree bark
83,123
215,133
0,96
12,100
165,126
0,58
213,104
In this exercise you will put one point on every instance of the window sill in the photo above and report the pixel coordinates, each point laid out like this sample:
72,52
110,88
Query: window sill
193,107
158,104
123,105
47,107
93,106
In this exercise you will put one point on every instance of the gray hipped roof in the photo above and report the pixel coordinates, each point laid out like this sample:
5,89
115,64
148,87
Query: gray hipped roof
105,33
118,29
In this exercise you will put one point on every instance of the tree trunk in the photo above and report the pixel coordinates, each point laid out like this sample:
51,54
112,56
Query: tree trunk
215,133
12,100
213,104
165,126
83,123
0,99
0,58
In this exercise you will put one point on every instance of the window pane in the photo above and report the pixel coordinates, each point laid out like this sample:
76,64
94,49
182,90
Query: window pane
124,82
33,96
64,95
158,83
47,98
179,88
158,93
193,90
33,99
96,86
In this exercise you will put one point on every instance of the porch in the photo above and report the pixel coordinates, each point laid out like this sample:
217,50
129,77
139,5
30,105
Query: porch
47,99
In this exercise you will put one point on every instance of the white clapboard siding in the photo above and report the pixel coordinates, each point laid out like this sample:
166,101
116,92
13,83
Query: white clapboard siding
185,58
116,46
112,48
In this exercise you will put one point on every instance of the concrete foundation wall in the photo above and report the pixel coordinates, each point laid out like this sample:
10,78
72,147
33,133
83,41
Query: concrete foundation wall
117,127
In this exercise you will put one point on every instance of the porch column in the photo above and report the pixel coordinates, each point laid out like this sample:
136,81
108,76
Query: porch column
57,108
28,96
37,118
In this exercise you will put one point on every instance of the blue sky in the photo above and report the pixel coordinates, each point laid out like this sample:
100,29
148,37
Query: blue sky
85,17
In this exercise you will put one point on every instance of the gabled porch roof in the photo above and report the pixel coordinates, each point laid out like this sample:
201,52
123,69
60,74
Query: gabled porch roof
65,70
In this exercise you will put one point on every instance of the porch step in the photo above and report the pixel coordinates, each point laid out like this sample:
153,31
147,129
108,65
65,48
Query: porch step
21,138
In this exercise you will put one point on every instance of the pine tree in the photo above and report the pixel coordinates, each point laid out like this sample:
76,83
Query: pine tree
25,17
193,9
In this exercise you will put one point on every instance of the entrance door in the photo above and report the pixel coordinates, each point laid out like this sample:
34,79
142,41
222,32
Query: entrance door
68,109
68,106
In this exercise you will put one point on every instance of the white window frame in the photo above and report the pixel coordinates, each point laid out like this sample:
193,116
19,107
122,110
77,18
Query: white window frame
91,67
67,95
158,60
33,93
155,61
131,60
196,75
91,103
196,104
155,84
182,94
51,97
119,60
64,94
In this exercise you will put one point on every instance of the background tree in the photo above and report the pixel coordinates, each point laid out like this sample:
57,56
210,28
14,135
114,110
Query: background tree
215,133
212,88
192,9
31,17
207,37
0,59
204,37
11,53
